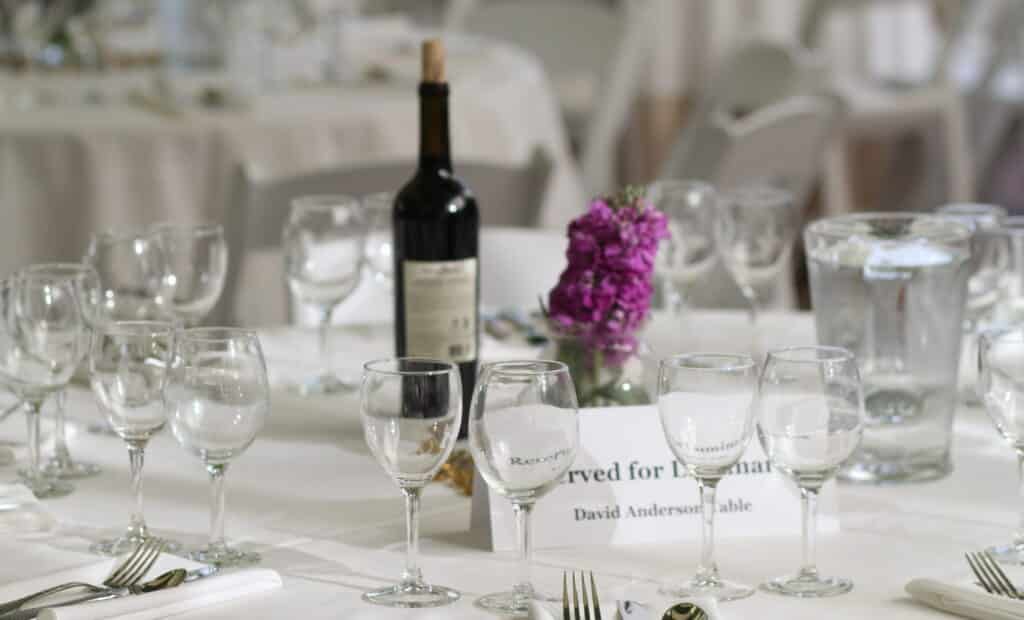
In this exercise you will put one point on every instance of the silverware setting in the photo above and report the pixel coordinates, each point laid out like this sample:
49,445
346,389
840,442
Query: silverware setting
593,600
126,574
991,577
630,610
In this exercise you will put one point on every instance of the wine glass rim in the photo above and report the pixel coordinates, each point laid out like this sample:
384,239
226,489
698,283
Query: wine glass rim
732,361
132,328
111,235
812,354
374,366
323,202
758,195
527,367
971,209
57,270
674,186
844,226
200,229
217,334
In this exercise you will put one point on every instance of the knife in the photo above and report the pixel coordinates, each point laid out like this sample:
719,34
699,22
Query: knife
166,581
965,601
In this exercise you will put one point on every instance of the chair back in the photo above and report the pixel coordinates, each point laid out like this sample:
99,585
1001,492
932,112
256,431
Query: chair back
256,293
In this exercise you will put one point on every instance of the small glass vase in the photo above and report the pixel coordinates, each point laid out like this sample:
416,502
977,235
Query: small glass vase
605,376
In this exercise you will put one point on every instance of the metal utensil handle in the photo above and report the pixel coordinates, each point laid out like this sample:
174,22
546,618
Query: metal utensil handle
29,614
20,602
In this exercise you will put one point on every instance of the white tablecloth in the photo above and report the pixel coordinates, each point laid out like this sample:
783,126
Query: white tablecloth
310,497
68,169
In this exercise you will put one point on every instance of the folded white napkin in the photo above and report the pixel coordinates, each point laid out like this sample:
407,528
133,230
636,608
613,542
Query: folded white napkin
188,596
967,600
653,609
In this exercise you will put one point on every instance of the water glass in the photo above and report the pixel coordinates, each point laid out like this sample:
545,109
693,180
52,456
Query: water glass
196,259
411,410
218,399
810,420
128,364
86,285
1010,308
523,433
754,235
379,241
706,402
989,257
41,338
689,252
133,275
324,248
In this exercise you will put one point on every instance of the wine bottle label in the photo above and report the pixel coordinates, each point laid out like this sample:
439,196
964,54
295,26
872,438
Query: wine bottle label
440,309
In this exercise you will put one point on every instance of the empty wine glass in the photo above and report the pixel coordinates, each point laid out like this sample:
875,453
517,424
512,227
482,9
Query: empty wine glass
689,252
990,257
133,275
523,433
196,259
411,410
754,234
1010,308
41,344
218,399
86,286
128,364
810,421
706,402
379,251
324,244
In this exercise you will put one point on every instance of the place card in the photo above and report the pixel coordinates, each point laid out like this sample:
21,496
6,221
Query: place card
627,487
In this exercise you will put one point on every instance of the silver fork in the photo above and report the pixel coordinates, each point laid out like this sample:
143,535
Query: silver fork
127,573
587,603
991,576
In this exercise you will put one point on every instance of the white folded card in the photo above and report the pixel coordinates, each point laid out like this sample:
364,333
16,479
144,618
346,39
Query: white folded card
626,487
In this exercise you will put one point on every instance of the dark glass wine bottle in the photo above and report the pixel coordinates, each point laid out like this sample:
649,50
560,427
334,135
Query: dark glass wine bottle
436,231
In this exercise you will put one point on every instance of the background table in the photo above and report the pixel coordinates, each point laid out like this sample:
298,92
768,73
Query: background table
309,496
68,169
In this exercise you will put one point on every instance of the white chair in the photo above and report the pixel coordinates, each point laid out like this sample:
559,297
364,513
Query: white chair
255,292
878,110
780,144
593,55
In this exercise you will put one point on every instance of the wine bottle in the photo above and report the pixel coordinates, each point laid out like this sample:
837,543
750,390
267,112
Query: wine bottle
436,230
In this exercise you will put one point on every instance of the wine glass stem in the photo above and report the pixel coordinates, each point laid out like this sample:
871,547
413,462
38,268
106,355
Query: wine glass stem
707,570
809,523
524,583
32,415
136,458
60,441
325,324
412,574
217,505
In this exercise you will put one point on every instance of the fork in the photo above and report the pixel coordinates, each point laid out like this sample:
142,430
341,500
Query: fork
587,603
127,573
991,576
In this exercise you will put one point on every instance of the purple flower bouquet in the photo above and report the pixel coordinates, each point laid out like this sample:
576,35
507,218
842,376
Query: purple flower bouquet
604,295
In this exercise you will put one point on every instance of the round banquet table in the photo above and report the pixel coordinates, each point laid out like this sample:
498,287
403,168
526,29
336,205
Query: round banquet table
69,167
308,495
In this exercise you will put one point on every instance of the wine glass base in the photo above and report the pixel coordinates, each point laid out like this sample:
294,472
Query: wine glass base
1007,554
224,557
512,604
44,487
71,471
412,595
123,545
325,384
717,589
808,587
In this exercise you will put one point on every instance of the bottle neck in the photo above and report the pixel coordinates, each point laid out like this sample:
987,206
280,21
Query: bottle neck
435,150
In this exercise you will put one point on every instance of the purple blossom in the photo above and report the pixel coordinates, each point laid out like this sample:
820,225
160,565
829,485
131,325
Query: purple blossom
604,294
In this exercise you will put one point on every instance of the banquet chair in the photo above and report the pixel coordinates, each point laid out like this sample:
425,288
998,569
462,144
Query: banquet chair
781,144
255,292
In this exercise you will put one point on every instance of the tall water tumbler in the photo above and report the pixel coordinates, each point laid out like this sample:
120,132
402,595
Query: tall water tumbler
891,287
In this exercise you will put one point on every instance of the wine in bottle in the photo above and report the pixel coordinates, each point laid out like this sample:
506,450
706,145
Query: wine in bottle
436,230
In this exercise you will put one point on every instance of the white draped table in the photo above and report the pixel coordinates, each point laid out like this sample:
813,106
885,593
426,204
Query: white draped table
309,496
69,168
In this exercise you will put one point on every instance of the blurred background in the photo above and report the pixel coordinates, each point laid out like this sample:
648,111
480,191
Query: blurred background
117,114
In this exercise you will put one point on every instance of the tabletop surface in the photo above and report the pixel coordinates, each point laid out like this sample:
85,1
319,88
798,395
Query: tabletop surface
310,498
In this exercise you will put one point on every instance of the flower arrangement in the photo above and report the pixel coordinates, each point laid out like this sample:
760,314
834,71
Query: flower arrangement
604,295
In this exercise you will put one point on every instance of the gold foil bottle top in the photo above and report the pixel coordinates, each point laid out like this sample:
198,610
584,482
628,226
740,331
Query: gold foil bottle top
433,61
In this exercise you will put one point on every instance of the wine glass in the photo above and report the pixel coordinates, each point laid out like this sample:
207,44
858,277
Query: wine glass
324,246
810,421
523,433
689,252
133,275
379,241
411,410
128,363
707,402
41,344
754,234
196,259
218,399
85,283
